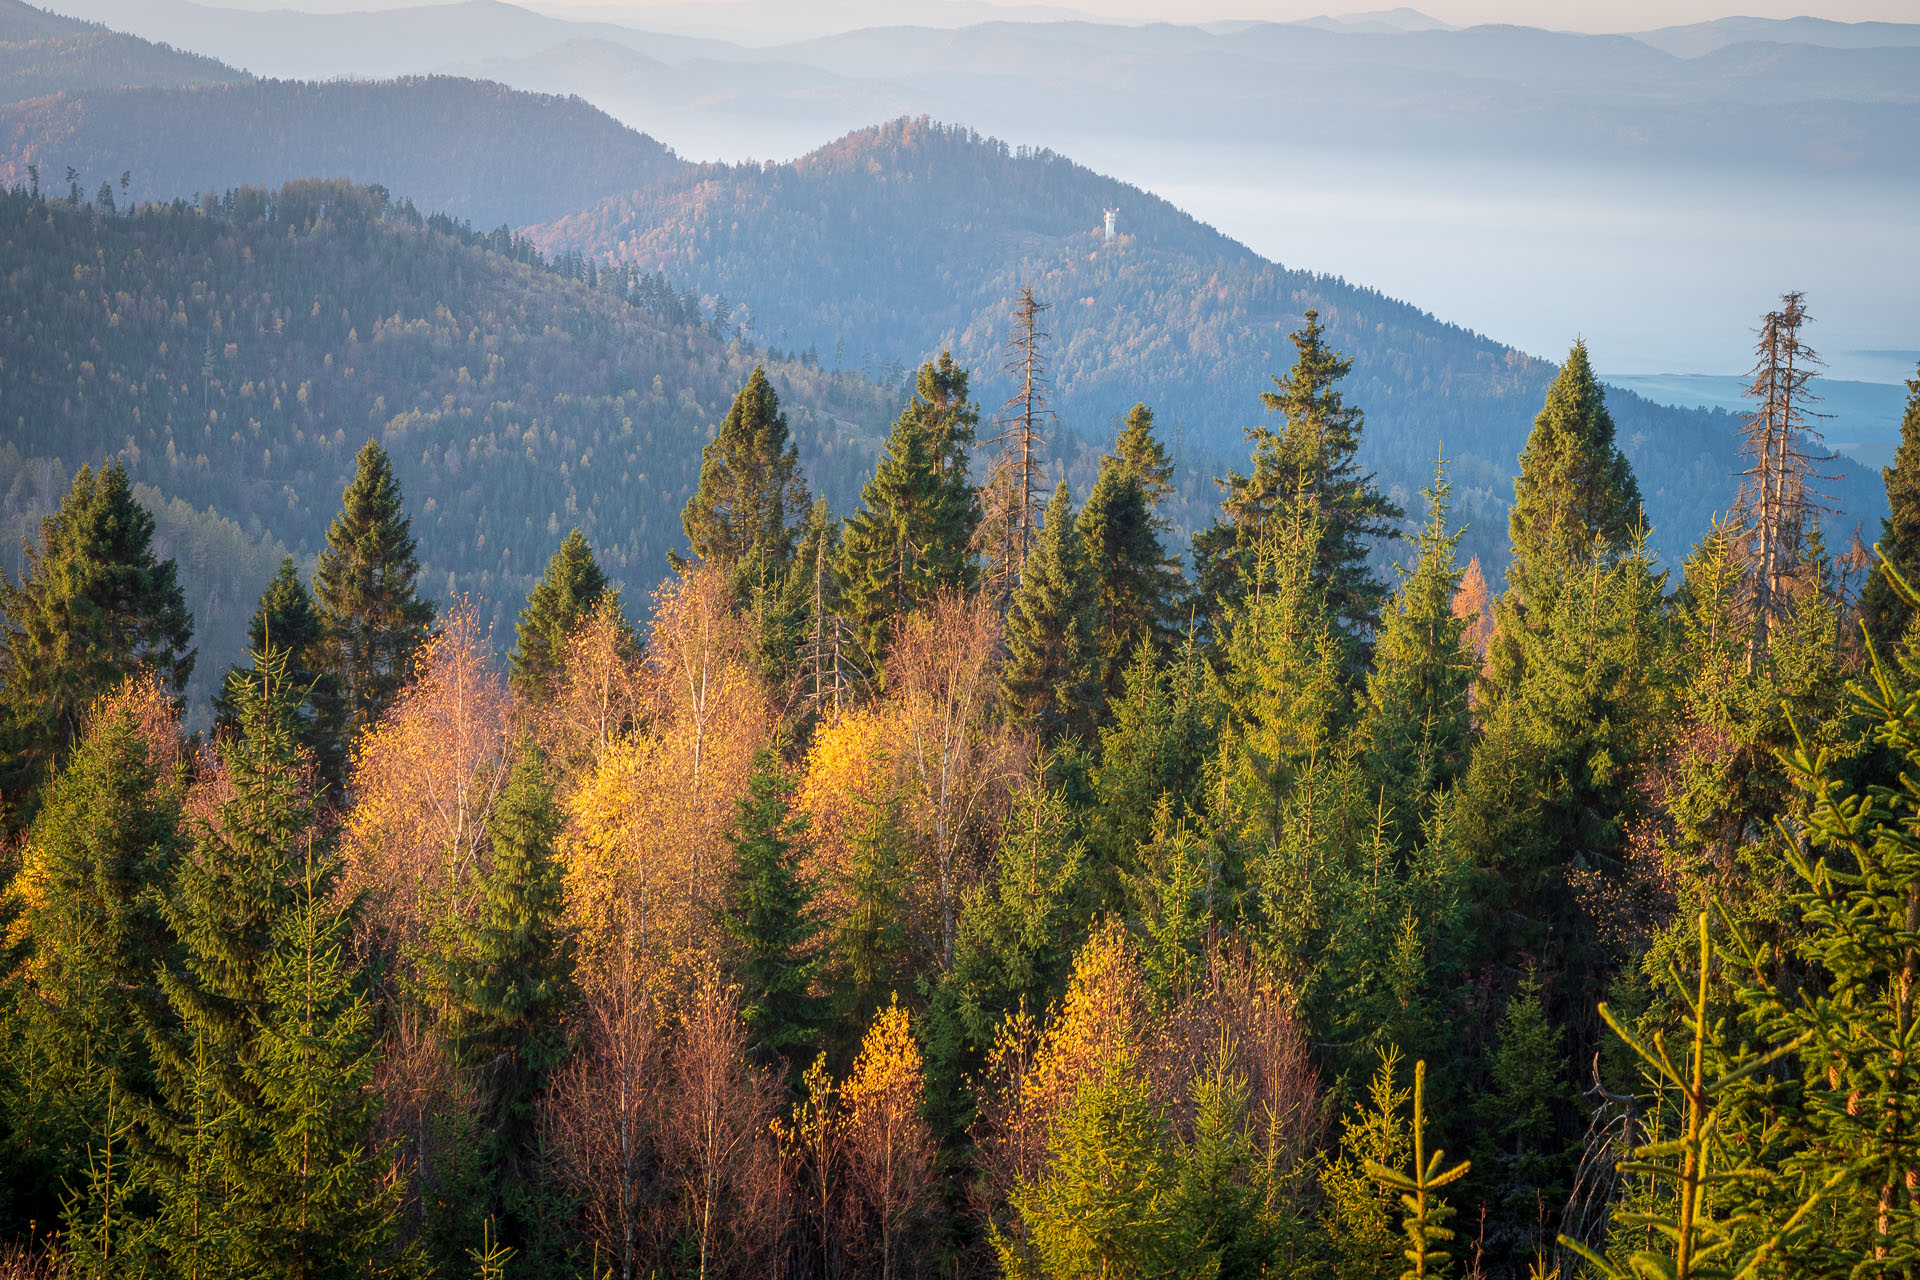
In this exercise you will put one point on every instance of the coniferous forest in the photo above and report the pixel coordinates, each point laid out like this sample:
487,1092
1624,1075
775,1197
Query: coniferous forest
980,879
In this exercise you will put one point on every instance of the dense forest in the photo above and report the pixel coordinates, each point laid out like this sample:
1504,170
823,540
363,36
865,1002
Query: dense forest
910,238
475,150
236,353
981,883
43,53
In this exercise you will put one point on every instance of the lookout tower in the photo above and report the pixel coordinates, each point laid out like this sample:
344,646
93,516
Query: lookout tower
1112,230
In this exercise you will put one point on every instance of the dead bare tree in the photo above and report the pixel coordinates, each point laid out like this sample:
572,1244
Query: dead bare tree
1777,497
1016,487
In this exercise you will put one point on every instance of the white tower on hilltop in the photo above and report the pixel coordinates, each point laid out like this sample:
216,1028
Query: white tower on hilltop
1111,215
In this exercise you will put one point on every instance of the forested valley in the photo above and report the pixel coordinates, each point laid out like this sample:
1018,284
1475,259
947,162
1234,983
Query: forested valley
954,877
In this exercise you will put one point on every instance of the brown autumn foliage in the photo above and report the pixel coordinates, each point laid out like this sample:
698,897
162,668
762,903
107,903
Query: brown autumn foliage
604,1117
427,1115
424,780
717,1136
646,847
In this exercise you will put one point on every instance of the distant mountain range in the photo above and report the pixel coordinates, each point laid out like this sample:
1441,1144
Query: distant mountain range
42,53
1836,97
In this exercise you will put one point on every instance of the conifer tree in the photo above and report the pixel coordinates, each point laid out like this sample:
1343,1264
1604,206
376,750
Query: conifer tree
913,534
1524,1163
93,607
1311,463
366,589
570,588
871,945
287,619
506,988
767,916
101,850
1051,678
1575,498
260,1132
750,485
1884,614
1137,583
1280,678
1140,456
1156,751
1414,724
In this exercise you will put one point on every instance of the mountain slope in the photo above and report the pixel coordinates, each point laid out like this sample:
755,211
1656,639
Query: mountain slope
904,239
238,356
475,150
42,53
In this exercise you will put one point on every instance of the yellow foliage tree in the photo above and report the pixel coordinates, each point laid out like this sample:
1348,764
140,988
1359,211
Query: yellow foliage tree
884,1133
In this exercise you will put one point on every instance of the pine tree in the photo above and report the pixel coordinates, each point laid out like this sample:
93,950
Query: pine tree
767,916
571,587
365,587
506,986
287,619
750,485
1051,678
1308,468
92,608
1415,727
1575,499
913,534
1137,583
1885,615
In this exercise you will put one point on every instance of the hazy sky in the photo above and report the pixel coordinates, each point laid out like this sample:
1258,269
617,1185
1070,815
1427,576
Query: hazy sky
1572,15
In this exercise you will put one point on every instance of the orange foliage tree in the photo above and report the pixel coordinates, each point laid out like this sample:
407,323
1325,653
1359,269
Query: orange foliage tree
424,780
889,1147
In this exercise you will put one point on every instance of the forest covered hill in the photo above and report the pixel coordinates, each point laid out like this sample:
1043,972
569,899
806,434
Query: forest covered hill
238,353
42,53
904,239
468,148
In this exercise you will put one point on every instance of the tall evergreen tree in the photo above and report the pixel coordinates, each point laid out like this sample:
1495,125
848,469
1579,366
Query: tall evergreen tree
1137,583
913,534
101,851
750,484
1140,456
767,916
93,607
571,587
1414,723
287,620
1575,498
1311,463
1052,676
366,588
1885,615
259,1137
506,989
1165,725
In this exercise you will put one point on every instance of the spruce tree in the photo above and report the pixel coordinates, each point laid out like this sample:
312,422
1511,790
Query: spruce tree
1882,611
1137,583
1311,463
1414,725
571,587
506,979
366,589
750,485
1140,456
1051,679
1575,499
1156,751
1522,1160
767,916
102,849
93,607
287,620
256,1147
913,534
